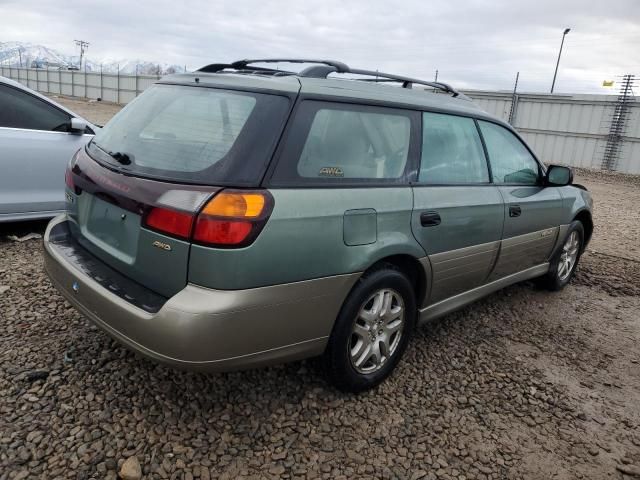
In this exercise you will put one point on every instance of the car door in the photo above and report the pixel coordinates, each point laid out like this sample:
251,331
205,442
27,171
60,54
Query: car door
532,210
34,150
457,213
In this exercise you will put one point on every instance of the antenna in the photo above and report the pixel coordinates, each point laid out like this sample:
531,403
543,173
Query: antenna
83,47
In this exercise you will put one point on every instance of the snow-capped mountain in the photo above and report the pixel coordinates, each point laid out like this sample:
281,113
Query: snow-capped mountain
24,54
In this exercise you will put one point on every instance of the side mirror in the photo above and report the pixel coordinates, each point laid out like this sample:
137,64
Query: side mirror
78,125
559,176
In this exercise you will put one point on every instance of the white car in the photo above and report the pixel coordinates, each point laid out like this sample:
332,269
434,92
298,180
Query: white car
38,137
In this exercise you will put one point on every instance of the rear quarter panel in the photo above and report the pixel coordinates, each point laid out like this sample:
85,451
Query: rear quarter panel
305,239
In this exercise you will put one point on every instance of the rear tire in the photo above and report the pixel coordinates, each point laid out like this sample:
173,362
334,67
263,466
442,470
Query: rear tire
564,263
372,331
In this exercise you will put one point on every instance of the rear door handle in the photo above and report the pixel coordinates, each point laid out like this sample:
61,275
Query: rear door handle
430,219
515,210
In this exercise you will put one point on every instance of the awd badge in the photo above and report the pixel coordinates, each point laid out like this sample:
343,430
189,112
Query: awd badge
162,245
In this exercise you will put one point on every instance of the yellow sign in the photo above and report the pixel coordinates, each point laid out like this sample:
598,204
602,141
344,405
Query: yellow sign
608,83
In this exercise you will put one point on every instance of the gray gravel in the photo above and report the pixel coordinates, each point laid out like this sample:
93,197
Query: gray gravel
523,384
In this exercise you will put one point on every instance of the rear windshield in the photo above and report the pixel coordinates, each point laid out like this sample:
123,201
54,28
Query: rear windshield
194,134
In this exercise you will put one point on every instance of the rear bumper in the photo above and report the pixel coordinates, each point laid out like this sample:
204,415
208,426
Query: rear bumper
201,328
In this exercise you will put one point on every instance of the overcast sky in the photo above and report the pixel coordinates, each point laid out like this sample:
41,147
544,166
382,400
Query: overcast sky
473,44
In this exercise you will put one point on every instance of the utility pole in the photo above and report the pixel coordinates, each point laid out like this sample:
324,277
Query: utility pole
436,76
83,47
553,84
20,54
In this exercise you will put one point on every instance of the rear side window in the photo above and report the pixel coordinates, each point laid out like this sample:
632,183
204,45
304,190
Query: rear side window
195,134
452,151
510,160
343,143
21,110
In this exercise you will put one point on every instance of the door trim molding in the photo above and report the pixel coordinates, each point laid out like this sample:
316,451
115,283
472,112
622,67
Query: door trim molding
34,130
458,301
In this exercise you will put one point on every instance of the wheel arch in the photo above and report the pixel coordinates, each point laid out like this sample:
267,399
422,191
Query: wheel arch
411,267
584,216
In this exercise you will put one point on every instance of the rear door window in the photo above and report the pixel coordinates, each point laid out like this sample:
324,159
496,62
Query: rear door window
344,143
195,134
452,151
18,109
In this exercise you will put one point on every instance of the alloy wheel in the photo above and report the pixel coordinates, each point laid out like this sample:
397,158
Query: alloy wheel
377,331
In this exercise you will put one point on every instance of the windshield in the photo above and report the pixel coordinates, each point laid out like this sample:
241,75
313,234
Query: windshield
193,134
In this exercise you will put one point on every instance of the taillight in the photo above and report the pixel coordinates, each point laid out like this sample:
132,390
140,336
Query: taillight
68,179
233,218
171,222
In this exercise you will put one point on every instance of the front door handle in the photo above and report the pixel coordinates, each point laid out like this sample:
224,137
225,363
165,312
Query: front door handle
515,210
430,219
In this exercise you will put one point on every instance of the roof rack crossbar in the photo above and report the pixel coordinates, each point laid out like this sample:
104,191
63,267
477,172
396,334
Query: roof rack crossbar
220,67
339,66
407,82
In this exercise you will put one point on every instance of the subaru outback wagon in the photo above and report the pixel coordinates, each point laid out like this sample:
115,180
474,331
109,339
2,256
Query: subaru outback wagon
243,215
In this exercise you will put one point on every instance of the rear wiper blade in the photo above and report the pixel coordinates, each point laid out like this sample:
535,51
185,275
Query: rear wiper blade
121,158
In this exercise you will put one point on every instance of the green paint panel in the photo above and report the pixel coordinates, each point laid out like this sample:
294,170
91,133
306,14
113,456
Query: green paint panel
304,239
116,237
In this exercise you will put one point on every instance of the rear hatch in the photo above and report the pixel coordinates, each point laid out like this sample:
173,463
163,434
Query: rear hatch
136,190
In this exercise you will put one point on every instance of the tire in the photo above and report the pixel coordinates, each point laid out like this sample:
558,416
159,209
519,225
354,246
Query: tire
348,364
558,277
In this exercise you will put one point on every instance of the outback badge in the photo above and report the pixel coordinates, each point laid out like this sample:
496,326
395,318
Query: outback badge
162,245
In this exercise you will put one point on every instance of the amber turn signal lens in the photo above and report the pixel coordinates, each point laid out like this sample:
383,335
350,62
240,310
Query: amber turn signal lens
238,205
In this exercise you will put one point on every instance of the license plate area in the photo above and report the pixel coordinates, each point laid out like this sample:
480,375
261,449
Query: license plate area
113,229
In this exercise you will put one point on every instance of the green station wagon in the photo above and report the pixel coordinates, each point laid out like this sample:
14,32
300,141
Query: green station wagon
243,215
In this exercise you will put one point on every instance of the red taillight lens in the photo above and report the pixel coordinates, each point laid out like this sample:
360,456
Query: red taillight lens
68,179
221,232
170,222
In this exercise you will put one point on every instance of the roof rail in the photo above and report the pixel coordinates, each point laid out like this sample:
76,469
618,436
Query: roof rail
323,69
407,82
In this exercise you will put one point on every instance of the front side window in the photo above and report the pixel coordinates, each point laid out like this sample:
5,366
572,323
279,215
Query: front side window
18,109
343,143
510,160
452,151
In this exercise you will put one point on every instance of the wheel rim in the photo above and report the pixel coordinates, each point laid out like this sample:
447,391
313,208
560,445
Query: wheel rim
376,331
568,256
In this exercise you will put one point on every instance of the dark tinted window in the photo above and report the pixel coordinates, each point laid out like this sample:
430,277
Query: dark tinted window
342,143
510,160
452,151
196,134
21,110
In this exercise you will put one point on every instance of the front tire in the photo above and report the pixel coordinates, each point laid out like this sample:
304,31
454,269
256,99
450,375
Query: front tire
563,265
372,331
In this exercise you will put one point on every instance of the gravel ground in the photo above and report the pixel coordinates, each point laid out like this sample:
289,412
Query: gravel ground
98,113
523,384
